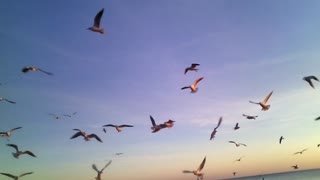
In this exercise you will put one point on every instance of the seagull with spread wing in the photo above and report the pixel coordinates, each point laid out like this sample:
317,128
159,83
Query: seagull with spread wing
193,67
295,167
96,23
309,78
198,172
264,104
237,144
94,167
300,152
236,127
249,117
118,127
19,153
16,177
193,87
4,99
215,129
239,159
155,127
8,133
85,136
32,68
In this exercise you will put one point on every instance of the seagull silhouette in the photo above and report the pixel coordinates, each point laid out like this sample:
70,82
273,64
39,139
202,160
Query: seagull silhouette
94,167
198,171
300,152
239,159
237,144
8,133
19,153
55,116
193,67
193,87
264,104
155,127
249,117
118,154
215,129
236,127
280,140
31,68
85,136
118,128
295,167
16,177
96,23
4,99
309,78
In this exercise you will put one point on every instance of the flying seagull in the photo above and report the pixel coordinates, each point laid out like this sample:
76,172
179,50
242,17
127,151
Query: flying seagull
118,128
19,153
4,99
31,68
264,104
234,173
249,117
96,23
309,78
295,167
215,129
85,136
236,127
118,154
55,116
94,167
16,177
193,67
169,124
280,140
239,159
300,152
193,87
237,144
198,171
155,127
8,133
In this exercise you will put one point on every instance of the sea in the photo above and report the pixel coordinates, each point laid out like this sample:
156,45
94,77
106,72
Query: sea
313,174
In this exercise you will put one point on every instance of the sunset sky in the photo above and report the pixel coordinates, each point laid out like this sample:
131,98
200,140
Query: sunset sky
245,49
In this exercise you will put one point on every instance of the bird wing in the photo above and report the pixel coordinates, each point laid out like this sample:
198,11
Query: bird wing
194,65
77,130
267,98
232,142
186,70
202,164
314,78
304,150
187,171
244,115
49,73
152,121
10,101
94,167
76,135
253,102
197,81
124,125
25,174
318,118
106,165
74,113
186,87
237,125
109,125
15,128
97,18
95,136
9,175
242,144
219,123
14,146
30,153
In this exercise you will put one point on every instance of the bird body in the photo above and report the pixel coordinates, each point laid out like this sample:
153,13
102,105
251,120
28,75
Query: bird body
193,67
198,172
295,167
32,68
96,23
19,153
264,104
8,133
85,136
118,128
193,87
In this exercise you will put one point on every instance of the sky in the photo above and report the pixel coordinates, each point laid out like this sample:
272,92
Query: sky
245,49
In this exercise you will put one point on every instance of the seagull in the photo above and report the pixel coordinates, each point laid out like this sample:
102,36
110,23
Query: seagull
295,167
239,159
193,67
16,177
309,78
55,116
249,117
4,99
118,128
118,154
155,127
31,68
94,167
237,144
18,153
193,87
169,124
234,173
280,140
85,136
96,23
215,129
198,171
264,104
236,127
8,133
300,152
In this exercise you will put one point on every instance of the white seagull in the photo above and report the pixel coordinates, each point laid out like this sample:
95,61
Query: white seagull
193,87
236,127
94,167
8,133
309,78
215,129
16,177
118,128
193,67
4,99
31,68
237,144
264,104
300,152
96,23
198,171
85,136
19,153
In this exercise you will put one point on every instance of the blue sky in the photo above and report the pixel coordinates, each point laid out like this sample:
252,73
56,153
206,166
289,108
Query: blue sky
245,50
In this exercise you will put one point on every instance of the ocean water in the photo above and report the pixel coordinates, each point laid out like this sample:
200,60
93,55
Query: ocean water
313,174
